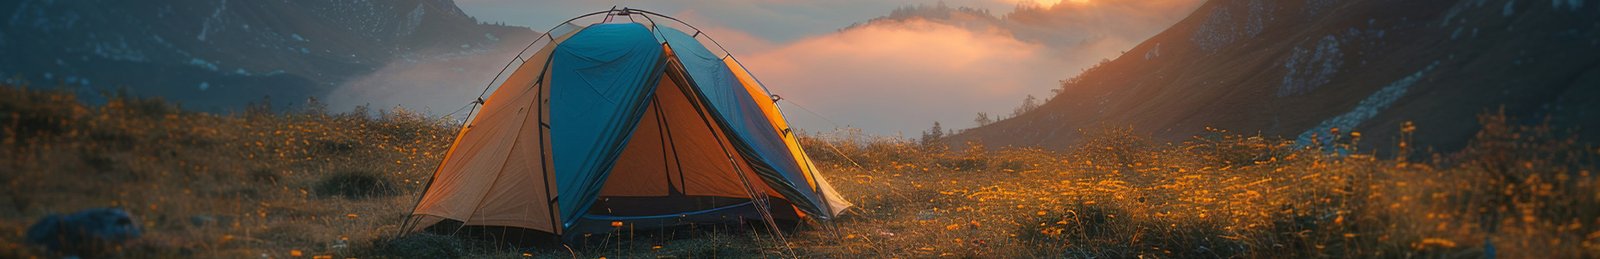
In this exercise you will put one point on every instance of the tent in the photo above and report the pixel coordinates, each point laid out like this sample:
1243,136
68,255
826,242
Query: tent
623,121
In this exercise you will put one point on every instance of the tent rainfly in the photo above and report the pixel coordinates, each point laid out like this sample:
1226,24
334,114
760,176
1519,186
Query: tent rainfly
622,121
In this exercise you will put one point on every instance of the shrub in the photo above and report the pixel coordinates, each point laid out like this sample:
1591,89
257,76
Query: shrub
29,113
1118,145
356,185
1222,148
1081,225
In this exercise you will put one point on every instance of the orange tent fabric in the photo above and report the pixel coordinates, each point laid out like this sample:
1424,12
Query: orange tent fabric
680,158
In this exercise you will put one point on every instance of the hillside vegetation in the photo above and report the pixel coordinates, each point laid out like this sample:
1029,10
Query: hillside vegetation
309,183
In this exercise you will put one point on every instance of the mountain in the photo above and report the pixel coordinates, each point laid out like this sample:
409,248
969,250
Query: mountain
218,55
1299,68
1061,26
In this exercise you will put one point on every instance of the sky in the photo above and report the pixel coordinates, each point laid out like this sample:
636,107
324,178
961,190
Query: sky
893,77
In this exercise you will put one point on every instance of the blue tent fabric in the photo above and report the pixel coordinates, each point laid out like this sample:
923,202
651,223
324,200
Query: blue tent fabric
601,78
738,112
583,95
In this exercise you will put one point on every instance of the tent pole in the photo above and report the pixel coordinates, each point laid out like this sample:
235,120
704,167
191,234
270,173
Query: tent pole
407,224
729,55
544,166
669,149
757,198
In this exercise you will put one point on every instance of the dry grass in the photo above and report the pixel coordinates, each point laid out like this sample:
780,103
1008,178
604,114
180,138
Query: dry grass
255,183
207,185
1520,191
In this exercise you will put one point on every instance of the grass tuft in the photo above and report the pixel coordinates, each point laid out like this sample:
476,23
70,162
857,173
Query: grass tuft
356,185
424,246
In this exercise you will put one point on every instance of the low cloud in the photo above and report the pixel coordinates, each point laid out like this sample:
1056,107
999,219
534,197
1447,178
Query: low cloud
900,73
900,77
436,82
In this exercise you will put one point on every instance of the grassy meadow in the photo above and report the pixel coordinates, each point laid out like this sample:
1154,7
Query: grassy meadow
311,183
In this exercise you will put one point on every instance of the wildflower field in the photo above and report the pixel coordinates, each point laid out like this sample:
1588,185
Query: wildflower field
309,183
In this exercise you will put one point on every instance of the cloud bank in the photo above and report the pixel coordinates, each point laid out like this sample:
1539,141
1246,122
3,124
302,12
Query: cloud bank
893,74
436,82
899,73
900,77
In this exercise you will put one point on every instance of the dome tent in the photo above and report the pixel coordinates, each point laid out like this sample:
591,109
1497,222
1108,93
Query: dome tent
624,120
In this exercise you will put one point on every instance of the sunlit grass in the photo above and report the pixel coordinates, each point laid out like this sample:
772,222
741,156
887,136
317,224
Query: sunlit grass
311,183
207,185
1524,190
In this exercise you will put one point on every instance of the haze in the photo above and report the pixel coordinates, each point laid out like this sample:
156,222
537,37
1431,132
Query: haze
894,76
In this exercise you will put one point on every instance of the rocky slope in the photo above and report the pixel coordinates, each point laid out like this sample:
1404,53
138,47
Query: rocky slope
1300,68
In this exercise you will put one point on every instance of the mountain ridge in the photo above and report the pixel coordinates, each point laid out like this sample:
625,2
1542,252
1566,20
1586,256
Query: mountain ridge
1301,68
218,55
